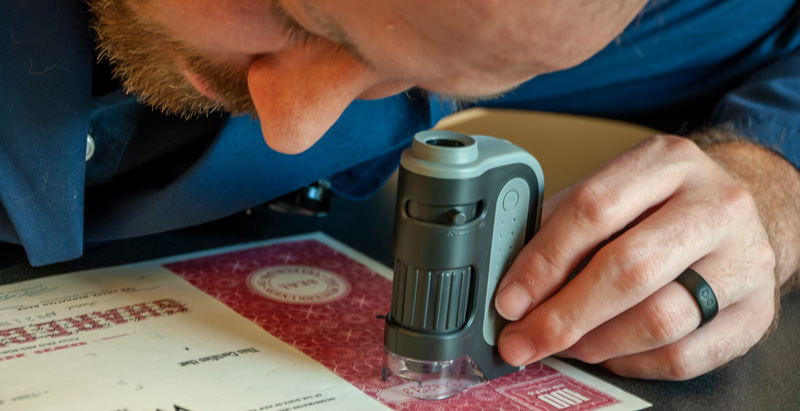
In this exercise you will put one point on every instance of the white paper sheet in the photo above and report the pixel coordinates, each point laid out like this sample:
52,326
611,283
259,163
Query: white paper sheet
141,338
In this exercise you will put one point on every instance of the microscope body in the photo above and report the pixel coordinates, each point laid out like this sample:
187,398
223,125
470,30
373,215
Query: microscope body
466,205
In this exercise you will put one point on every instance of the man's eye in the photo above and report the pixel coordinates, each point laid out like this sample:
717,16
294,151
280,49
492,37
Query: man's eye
291,29
297,34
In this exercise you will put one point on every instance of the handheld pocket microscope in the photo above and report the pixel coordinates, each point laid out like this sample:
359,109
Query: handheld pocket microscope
466,205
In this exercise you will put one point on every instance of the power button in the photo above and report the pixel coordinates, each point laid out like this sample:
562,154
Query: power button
510,200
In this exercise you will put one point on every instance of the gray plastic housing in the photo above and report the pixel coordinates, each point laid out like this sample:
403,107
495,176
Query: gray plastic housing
466,205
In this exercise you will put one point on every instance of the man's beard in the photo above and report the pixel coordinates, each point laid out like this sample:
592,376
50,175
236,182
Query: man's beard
145,59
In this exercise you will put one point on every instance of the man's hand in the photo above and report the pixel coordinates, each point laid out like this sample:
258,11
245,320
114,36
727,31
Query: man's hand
666,205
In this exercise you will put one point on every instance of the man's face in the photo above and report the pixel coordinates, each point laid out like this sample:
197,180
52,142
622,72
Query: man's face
297,64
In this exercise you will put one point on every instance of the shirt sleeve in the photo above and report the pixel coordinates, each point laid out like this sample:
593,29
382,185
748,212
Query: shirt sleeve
766,107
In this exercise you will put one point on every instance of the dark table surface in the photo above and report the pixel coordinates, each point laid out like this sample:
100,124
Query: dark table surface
767,378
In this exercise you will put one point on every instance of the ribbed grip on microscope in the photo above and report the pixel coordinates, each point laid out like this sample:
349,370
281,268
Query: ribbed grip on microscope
433,301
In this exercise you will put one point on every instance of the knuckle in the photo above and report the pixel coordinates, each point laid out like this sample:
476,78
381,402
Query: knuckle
543,262
556,333
765,259
676,145
586,353
593,353
681,146
739,200
679,364
662,324
635,267
594,204
767,265
733,203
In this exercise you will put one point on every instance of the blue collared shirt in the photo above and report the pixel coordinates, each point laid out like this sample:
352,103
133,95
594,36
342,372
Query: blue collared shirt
680,65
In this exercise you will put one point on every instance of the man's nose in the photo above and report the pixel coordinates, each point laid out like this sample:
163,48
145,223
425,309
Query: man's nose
301,92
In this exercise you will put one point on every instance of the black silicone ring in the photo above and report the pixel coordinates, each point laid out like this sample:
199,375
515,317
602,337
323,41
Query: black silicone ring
702,293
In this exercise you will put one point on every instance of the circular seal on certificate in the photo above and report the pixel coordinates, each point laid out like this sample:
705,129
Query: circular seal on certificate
297,284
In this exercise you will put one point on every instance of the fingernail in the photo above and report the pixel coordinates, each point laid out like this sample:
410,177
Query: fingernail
513,302
516,348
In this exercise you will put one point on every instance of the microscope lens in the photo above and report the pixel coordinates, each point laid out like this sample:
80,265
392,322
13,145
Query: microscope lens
435,380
